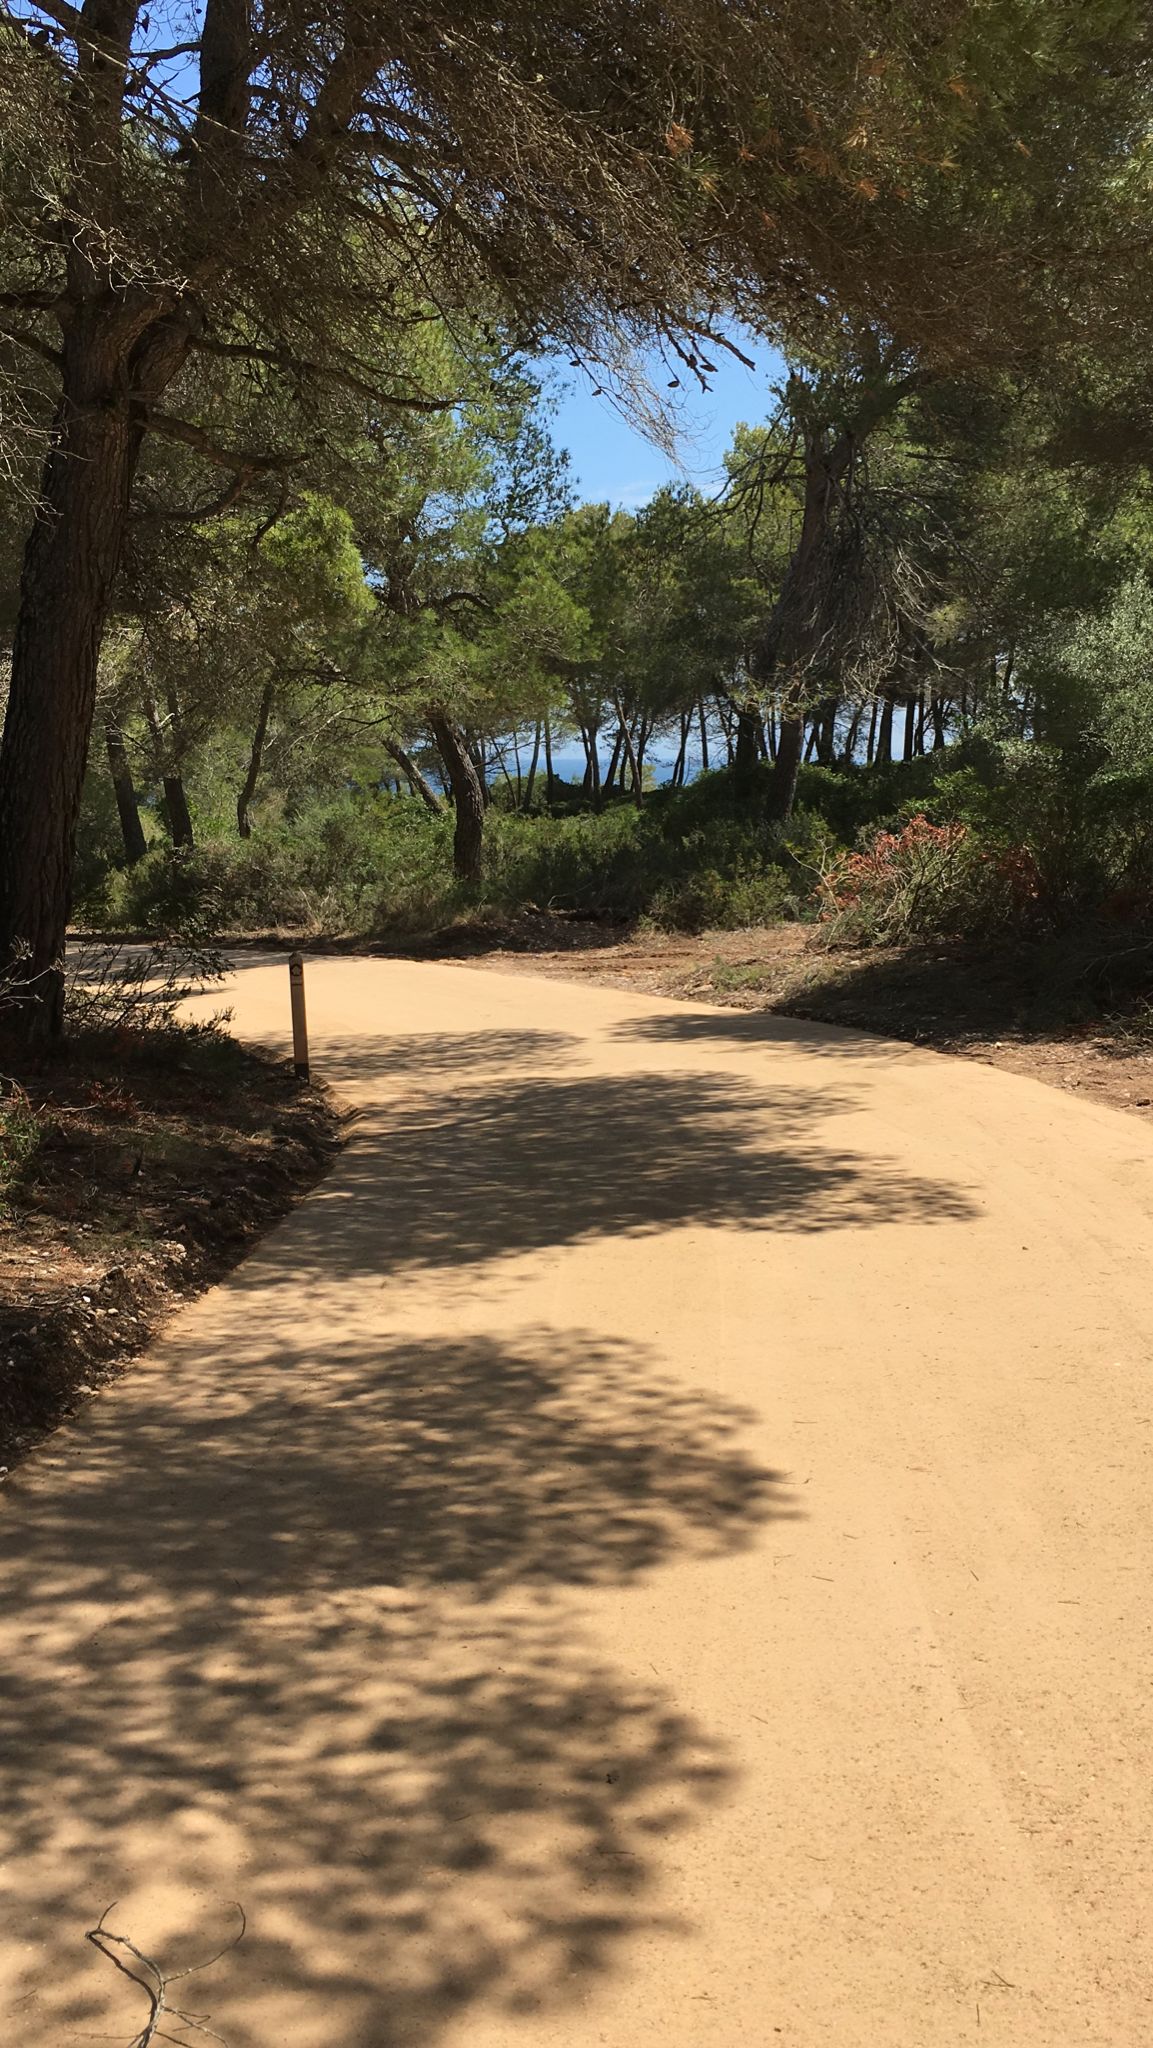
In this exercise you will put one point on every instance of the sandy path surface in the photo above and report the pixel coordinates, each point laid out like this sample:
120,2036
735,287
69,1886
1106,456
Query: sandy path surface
658,1546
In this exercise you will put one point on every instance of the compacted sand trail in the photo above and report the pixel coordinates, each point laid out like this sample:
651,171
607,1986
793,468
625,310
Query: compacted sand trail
657,1547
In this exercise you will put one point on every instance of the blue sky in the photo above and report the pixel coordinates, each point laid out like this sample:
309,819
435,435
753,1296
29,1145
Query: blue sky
610,459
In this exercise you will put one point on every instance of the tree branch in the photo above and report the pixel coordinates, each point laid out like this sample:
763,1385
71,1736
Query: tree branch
299,366
33,342
246,460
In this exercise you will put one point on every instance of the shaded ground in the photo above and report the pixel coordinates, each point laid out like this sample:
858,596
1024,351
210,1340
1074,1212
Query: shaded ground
653,1551
1076,1012
134,1171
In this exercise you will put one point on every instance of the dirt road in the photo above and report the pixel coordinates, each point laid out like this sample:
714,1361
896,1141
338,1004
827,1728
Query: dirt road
656,1548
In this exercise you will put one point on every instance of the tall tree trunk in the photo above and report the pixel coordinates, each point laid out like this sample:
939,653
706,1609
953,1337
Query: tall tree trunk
851,737
910,745
70,563
418,783
871,746
177,813
786,767
704,727
634,765
256,756
131,829
592,778
747,754
811,742
827,733
937,714
792,639
678,774
884,753
530,784
177,816
549,777
643,737
479,756
614,762
467,796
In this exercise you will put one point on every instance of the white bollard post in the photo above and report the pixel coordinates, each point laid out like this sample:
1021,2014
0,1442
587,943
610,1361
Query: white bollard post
299,1018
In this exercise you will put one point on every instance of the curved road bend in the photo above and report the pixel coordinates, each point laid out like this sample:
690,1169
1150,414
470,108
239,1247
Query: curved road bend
657,1547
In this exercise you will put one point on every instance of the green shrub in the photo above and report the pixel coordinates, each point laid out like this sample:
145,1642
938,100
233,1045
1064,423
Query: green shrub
711,901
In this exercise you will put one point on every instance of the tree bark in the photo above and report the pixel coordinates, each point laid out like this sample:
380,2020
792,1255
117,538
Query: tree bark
256,756
704,728
747,753
786,768
467,796
937,714
131,829
678,774
549,777
418,783
70,563
910,745
884,753
530,783
634,765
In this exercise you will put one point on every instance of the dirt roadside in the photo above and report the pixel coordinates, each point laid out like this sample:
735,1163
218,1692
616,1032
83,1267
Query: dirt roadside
1074,1015
135,1170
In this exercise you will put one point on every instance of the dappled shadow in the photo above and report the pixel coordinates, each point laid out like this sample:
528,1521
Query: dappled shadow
418,1054
287,1632
560,1460
753,1028
525,1165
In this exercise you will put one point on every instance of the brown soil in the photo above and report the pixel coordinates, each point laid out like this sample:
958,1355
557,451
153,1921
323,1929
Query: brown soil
134,1171
1075,1012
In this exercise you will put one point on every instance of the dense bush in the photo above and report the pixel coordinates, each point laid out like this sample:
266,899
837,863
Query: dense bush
372,863
989,836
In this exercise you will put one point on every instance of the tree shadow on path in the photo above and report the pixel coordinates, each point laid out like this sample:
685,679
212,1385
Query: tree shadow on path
290,1634
494,1169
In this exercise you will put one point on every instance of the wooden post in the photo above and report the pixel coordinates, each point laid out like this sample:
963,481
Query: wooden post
299,1019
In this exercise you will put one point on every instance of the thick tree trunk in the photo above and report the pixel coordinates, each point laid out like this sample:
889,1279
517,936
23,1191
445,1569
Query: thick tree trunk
937,713
177,815
131,829
786,768
467,796
884,753
549,777
614,763
418,783
70,564
704,730
871,746
256,756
